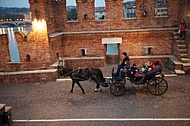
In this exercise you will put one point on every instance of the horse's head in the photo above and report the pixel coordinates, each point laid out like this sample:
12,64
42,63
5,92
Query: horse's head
64,71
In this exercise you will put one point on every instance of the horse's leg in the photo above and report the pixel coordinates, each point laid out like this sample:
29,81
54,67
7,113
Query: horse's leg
80,87
73,84
97,86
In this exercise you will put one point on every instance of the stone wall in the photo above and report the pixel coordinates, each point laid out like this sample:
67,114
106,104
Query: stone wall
27,77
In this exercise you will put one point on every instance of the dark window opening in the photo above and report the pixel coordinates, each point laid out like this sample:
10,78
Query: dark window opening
27,58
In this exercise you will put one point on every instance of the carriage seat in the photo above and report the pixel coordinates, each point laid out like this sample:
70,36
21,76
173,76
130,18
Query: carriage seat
155,71
117,77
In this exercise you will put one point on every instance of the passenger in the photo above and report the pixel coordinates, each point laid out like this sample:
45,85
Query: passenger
124,68
137,74
144,69
149,66
157,64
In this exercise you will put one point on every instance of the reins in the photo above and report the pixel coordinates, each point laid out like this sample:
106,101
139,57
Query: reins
70,72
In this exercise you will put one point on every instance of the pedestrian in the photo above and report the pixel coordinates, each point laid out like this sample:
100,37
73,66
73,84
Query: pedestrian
182,27
60,62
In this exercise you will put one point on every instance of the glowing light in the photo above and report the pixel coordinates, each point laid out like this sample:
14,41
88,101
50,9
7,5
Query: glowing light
39,24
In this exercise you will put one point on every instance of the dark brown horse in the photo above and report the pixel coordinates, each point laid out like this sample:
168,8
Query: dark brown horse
84,74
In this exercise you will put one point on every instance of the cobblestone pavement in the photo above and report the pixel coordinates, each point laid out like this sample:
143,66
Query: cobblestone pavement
52,100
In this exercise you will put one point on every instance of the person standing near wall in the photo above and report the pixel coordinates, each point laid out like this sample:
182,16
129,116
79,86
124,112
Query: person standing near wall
182,28
61,62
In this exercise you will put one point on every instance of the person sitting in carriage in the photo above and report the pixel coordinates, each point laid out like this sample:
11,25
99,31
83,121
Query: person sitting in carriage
148,66
126,67
146,69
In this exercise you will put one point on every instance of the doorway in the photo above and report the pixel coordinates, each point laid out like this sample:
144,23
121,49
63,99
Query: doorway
112,52
112,49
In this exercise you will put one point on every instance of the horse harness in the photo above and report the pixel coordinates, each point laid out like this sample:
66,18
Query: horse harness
78,73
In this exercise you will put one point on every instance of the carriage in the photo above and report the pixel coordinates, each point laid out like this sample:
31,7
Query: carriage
153,80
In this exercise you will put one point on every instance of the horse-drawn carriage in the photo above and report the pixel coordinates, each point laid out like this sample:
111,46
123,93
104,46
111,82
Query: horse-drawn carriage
153,80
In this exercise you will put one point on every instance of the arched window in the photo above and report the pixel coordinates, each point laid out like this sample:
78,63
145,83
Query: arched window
71,10
129,8
161,9
100,10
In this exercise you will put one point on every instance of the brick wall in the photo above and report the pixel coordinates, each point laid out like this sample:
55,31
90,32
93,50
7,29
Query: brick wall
28,78
114,16
84,63
186,12
56,15
36,45
4,52
133,43
186,17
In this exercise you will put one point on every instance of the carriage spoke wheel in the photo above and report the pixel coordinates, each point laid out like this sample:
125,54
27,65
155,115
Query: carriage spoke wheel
117,89
157,86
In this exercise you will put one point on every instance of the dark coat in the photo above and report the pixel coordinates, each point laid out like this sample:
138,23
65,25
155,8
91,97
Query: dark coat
125,59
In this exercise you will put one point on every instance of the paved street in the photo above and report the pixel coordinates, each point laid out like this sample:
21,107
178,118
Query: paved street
51,104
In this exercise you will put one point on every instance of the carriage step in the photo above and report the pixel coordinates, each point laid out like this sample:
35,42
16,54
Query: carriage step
180,72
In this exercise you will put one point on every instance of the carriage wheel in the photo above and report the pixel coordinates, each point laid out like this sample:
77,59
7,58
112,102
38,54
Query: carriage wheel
157,86
117,89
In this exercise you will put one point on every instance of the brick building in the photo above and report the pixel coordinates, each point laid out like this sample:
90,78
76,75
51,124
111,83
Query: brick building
86,42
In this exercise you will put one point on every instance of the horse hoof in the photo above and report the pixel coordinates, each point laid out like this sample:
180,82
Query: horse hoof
96,90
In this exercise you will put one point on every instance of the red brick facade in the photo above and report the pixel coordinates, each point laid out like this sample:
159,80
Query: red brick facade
44,47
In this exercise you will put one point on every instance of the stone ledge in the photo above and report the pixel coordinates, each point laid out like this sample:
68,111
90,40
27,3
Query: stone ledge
28,72
82,57
151,56
78,58
55,34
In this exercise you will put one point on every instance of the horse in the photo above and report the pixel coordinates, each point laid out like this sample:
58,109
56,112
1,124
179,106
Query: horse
83,74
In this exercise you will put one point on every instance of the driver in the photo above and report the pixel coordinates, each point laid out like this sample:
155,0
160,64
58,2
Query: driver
125,59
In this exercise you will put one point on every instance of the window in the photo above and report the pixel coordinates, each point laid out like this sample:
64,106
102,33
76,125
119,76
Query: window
129,8
71,10
112,49
161,9
100,10
27,58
